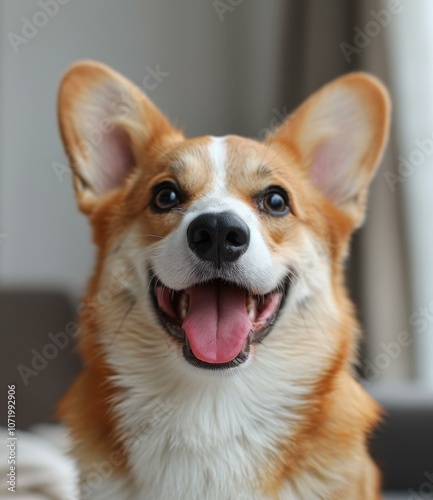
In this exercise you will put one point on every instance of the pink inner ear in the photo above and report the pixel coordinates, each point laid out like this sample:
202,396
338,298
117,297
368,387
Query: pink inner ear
329,171
113,160
321,168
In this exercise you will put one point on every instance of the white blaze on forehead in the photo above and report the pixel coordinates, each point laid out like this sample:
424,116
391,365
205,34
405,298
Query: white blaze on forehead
218,154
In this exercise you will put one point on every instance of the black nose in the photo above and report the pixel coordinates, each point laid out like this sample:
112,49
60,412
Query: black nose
218,237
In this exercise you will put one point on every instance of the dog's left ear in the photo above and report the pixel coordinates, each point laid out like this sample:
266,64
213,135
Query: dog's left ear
340,133
107,125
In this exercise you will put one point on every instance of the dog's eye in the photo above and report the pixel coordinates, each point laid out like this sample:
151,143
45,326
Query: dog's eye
275,202
166,198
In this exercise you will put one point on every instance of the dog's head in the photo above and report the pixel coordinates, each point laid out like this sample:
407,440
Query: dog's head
221,236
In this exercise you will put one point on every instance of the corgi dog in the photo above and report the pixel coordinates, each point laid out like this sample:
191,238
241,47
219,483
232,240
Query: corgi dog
217,335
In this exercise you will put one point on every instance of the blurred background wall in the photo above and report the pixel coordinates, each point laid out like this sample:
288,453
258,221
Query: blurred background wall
228,66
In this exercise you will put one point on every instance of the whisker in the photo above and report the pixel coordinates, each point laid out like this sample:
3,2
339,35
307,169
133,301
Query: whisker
154,235
153,277
133,303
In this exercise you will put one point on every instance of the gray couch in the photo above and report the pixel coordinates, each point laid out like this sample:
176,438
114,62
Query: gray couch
32,321
38,357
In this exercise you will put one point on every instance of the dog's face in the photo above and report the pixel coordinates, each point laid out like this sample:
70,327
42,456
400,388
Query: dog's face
221,237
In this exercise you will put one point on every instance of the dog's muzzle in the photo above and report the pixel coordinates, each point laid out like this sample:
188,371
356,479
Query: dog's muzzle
217,315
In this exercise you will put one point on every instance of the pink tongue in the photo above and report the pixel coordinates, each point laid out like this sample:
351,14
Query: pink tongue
217,323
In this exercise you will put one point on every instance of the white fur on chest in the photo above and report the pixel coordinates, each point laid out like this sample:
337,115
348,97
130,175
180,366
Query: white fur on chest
203,435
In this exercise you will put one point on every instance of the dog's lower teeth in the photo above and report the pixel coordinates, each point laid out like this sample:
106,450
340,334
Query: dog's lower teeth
251,307
183,305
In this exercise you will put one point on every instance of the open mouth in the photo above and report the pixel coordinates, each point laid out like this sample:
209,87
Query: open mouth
217,321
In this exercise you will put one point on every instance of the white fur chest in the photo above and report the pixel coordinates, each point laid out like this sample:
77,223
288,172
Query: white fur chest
175,461
202,442
202,436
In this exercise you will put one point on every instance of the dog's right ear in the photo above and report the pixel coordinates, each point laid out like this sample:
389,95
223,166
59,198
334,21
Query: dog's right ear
107,124
340,134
